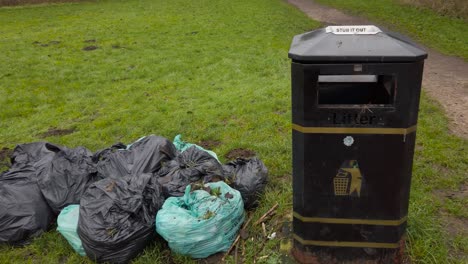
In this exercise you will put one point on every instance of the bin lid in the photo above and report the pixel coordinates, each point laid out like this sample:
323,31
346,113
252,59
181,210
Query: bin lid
354,44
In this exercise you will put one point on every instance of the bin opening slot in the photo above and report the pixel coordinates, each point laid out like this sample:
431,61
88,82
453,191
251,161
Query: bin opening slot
356,89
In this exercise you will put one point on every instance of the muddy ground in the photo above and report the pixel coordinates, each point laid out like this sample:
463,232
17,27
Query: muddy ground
240,153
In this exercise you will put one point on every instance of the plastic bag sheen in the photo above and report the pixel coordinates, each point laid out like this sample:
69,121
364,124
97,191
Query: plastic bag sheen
202,222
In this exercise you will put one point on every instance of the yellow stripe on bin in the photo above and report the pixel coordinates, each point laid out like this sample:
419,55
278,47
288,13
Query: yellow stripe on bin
354,130
349,221
345,243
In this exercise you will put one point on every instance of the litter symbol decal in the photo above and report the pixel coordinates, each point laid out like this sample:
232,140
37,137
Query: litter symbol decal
348,180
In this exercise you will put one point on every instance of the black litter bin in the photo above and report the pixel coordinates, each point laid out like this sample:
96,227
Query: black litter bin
355,98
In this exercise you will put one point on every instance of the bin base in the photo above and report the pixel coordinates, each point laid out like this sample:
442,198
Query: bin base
329,255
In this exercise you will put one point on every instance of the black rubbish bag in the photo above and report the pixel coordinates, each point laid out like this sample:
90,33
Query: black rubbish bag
24,213
35,154
249,177
64,179
192,165
104,153
146,155
117,217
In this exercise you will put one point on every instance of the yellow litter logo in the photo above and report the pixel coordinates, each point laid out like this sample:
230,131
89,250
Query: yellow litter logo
348,180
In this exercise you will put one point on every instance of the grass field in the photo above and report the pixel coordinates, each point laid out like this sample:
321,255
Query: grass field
443,33
455,8
112,71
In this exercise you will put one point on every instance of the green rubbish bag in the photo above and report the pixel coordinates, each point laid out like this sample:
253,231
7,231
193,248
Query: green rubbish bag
67,225
182,146
202,222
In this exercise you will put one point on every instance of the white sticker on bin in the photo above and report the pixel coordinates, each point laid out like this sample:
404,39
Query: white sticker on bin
353,30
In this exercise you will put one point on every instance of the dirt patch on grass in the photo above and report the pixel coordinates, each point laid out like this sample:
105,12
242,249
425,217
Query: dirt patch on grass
5,153
441,169
53,131
209,143
213,259
460,194
52,42
445,77
240,153
89,48
63,259
90,41
284,178
454,226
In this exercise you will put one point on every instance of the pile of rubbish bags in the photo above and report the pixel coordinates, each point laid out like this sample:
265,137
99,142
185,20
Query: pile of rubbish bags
111,204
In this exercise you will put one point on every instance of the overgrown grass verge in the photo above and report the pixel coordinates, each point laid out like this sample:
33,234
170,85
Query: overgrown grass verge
446,34
441,162
211,70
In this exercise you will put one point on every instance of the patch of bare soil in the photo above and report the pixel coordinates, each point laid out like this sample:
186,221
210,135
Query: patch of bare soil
213,259
56,132
459,194
5,154
446,80
52,42
89,48
445,77
240,153
209,144
454,225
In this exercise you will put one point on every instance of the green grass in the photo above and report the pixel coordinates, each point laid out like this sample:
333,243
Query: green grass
210,70
441,162
447,34
454,8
